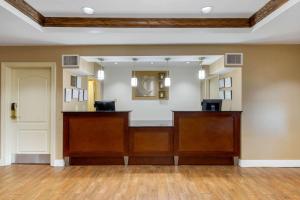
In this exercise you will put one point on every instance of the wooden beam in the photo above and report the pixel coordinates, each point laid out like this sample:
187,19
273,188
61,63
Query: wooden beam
269,8
147,22
27,10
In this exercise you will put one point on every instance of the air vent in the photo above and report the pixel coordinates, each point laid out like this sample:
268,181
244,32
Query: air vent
70,61
234,59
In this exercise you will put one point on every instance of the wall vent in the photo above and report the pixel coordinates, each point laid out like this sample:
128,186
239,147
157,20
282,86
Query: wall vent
70,61
234,59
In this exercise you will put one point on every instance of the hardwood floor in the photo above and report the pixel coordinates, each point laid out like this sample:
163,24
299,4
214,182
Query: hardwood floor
148,182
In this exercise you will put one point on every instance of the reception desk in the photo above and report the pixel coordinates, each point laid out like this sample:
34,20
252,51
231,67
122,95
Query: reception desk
95,137
193,137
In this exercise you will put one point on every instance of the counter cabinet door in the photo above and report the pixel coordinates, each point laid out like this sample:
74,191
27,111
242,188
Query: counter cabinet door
206,134
151,141
95,136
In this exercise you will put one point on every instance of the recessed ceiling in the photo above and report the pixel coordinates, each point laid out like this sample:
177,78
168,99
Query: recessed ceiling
281,28
147,8
154,60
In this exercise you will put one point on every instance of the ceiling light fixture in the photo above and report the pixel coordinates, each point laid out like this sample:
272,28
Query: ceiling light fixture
206,10
116,63
100,72
167,79
88,10
134,80
94,31
201,72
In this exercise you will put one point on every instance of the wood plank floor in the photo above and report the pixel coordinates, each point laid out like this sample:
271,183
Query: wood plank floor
148,182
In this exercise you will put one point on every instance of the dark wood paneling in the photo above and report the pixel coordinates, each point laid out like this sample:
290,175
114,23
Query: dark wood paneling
205,160
104,138
269,8
151,146
95,134
151,160
147,22
204,135
29,11
96,161
210,133
151,141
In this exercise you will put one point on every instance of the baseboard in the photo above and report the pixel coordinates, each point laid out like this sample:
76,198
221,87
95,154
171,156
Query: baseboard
269,163
58,163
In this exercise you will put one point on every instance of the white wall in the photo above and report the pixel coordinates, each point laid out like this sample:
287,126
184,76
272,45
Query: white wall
184,92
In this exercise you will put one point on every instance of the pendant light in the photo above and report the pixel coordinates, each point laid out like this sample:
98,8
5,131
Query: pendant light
100,72
201,72
167,78
134,80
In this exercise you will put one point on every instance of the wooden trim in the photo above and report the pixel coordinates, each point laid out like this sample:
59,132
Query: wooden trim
269,8
147,22
36,16
27,10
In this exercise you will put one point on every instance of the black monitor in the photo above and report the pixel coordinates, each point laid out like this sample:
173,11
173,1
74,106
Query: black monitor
214,105
105,106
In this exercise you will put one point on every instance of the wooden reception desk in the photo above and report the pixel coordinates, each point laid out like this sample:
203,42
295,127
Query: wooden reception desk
194,137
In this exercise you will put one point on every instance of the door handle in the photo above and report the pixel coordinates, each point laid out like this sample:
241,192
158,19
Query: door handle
13,111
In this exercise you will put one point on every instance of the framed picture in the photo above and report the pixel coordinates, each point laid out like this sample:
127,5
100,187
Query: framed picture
75,93
228,82
85,95
73,81
228,95
221,83
81,95
222,94
78,82
68,95
149,85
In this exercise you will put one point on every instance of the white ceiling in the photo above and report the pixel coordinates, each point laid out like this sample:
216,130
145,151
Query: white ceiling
154,60
279,28
148,8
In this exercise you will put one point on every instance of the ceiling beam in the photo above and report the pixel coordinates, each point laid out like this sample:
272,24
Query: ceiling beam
29,11
147,22
269,8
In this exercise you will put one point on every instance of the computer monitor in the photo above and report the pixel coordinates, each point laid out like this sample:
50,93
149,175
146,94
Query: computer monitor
214,105
105,106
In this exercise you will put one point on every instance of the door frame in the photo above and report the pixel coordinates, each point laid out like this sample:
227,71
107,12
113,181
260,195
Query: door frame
6,140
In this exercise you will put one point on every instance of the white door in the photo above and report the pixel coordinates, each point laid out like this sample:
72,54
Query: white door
31,92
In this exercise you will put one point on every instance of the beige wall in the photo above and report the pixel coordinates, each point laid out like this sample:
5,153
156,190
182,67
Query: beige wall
217,66
271,89
236,103
74,105
213,91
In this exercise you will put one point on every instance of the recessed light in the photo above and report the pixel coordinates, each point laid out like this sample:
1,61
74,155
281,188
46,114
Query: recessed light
88,10
206,10
152,63
95,31
116,63
188,62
